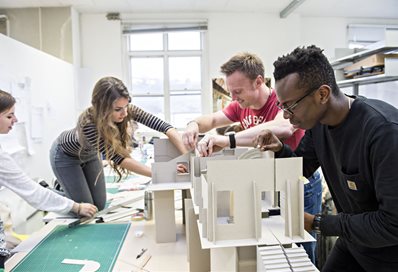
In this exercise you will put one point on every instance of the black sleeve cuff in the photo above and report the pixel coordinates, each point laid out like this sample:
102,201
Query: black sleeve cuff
285,152
330,225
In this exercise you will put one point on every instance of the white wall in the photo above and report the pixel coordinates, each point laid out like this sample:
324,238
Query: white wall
252,32
47,29
51,90
101,53
327,33
228,33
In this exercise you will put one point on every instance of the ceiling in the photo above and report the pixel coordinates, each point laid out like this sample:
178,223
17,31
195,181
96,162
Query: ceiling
319,8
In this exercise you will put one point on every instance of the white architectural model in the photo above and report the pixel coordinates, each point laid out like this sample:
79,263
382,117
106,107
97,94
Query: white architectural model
199,165
232,202
166,179
232,195
281,259
167,157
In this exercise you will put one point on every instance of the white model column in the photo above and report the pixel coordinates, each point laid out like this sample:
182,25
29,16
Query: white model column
164,216
224,259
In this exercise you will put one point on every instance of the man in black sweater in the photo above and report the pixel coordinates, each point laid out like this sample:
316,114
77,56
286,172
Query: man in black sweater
355,141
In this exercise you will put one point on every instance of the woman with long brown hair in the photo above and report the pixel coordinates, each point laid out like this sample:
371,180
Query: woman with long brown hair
103,131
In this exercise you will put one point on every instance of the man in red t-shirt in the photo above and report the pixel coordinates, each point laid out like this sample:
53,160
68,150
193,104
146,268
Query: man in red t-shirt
253,105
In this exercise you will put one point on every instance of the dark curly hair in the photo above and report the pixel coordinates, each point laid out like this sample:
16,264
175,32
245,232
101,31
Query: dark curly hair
310,64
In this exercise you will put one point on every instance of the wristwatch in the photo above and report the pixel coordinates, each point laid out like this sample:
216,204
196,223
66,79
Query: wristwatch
232,141
316,224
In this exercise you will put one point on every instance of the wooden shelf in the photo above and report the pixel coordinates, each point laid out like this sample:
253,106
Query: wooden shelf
220,88
350,59
389,45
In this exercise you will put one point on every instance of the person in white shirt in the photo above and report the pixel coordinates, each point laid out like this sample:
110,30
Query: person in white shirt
12,177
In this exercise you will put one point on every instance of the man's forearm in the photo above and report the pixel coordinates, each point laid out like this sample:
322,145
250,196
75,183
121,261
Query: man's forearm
246,137
204,123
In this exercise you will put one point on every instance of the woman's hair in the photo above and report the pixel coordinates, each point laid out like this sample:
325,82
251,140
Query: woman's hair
246,63
310,64
7,101
116,136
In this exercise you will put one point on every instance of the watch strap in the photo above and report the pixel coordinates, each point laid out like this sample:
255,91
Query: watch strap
232,141
316,224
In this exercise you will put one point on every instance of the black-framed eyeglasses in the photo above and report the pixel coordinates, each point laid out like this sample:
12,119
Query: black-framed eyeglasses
289,109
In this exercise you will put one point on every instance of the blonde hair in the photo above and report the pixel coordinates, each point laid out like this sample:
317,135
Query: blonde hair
116,136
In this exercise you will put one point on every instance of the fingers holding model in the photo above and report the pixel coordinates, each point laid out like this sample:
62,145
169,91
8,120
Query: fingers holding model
84,209
267,140
191,134
212,143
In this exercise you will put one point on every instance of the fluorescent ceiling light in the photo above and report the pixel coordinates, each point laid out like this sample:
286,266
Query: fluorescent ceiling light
290,8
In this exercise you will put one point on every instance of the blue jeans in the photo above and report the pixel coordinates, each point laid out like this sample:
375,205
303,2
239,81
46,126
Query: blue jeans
313,205
82,179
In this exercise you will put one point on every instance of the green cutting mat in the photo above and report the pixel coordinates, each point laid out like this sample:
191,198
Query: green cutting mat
95,242
113,179
112,190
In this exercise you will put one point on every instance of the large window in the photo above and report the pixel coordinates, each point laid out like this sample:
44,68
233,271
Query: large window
165,71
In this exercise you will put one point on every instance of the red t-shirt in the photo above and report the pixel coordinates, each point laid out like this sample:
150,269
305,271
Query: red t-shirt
250,117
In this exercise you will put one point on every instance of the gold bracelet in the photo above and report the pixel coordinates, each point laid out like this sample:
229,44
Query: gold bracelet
78,208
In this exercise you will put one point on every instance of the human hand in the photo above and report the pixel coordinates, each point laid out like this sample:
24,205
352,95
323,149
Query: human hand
308,220
190,135
267,140
212,143
86,210
182,168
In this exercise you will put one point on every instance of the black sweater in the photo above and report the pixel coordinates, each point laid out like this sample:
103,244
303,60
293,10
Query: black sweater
358,159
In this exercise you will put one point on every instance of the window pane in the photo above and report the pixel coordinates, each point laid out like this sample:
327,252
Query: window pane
185,73
184,108
152,105
146,41
147,75
184,40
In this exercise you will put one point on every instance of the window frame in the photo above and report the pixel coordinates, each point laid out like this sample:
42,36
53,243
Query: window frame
166,54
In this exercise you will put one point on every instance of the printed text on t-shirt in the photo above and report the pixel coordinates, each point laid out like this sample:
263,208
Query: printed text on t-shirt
251,121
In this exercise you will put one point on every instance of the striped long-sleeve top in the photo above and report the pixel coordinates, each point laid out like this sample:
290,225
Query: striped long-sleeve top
69,140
